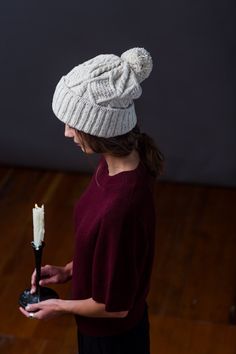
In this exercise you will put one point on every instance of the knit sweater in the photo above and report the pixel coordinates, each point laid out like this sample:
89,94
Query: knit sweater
114,247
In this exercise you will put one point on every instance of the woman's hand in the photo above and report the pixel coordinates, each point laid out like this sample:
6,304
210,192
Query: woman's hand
44,310
52,275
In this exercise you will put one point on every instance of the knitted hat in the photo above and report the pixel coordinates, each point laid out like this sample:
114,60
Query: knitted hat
96,97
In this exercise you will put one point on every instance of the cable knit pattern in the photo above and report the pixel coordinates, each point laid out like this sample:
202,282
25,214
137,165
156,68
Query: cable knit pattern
96,97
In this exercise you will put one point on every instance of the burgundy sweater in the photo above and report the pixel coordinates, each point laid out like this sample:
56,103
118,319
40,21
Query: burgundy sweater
114,247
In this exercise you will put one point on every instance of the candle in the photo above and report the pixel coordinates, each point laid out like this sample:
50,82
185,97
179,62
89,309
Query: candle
38,225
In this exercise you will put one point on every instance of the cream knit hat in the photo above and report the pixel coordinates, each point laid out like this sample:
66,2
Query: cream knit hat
96,97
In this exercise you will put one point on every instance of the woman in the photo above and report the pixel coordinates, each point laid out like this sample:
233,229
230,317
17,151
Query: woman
115,216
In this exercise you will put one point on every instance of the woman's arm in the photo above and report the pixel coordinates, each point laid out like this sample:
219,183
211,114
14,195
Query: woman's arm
89,308
54,307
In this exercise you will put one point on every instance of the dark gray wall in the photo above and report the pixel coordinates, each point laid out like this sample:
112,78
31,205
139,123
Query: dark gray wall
188,101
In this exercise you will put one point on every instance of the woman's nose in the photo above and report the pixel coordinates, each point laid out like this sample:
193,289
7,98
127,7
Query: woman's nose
69,132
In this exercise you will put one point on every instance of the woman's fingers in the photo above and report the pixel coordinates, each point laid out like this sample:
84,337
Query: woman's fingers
33,282
27,313
45,272
49,275
47,281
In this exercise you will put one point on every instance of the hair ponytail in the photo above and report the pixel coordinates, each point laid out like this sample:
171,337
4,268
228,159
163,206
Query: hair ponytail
122,145
150,155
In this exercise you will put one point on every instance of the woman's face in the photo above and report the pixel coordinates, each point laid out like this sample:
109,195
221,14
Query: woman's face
73,133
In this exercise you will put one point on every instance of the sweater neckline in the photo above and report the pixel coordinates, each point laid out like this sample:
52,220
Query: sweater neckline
117,175
104,179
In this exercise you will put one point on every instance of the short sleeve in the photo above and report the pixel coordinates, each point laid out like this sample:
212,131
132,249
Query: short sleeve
115,273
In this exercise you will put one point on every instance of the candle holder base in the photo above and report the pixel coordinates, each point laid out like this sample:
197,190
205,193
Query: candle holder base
27,298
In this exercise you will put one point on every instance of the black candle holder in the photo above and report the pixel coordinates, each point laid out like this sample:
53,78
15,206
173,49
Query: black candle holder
41,293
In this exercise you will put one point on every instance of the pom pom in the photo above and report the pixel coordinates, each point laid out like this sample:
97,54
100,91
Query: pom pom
140,61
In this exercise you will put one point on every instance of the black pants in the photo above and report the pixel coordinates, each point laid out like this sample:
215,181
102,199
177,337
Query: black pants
134,341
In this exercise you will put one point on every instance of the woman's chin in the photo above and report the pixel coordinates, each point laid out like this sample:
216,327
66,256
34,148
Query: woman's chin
85,151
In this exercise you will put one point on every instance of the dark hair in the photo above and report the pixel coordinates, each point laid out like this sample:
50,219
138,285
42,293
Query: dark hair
123,145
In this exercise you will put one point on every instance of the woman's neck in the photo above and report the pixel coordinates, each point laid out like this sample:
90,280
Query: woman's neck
124,163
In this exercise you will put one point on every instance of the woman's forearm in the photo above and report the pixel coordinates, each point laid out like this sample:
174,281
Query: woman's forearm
89,308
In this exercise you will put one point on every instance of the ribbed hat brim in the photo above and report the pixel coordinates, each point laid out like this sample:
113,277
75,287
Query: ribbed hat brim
90,117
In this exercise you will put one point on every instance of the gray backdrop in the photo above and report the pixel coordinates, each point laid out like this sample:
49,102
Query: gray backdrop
188,101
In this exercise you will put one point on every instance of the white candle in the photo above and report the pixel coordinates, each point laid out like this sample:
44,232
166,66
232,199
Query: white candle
38,225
